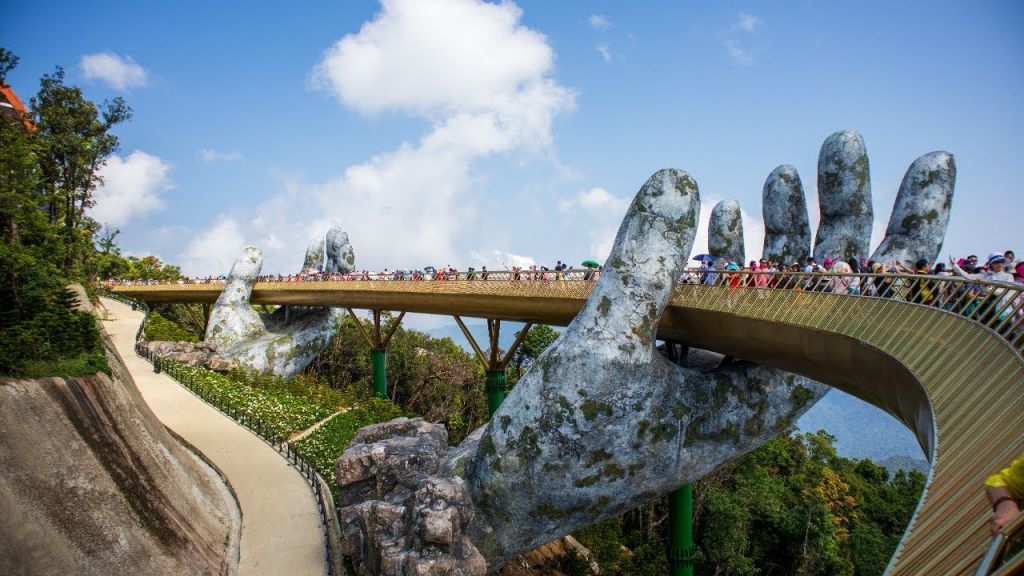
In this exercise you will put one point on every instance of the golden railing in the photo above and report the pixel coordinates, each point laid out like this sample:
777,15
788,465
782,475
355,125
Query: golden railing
941,354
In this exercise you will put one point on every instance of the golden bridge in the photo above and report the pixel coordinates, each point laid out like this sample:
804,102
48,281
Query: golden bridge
949,365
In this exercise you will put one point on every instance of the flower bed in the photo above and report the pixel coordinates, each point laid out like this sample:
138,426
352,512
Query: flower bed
278,414
326,444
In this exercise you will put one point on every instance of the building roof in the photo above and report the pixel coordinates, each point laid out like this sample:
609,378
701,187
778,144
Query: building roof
14,107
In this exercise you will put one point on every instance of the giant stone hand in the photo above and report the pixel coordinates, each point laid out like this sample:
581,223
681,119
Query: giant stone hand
285,342
602,422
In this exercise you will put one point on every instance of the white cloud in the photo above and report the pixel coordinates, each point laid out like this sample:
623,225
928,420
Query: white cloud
213,251
131,188
602,213
494,257
604,51
599,22
732,46
211,156
433,59
747,22
118,72
481,80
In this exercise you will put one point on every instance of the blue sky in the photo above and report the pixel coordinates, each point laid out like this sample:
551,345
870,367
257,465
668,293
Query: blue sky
466,133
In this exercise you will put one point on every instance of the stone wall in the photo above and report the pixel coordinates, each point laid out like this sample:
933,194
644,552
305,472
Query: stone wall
92,483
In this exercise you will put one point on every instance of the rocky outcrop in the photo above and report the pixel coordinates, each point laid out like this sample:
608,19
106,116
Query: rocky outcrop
399,513
549,560
199,354
844,198
92,483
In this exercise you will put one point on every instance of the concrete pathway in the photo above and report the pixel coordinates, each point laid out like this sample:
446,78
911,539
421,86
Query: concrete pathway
281,532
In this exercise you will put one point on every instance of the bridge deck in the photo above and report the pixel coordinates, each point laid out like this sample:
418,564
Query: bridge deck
954,382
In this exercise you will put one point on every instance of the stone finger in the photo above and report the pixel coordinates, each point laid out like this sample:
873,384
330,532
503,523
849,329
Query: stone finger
725,232
338,251
232,318
787,230
314,261
920,215
844,198
648,255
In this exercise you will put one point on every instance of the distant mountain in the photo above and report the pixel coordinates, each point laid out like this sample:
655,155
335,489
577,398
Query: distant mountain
478,328
894,463
861,430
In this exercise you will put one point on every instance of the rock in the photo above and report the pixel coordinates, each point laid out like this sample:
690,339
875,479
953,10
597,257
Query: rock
844,198
725,232
398,515
920,214
787,237
193,359
548,559
219,364
93,483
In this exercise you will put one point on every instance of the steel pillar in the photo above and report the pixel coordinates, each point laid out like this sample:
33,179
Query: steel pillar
680,531
495,390
380,375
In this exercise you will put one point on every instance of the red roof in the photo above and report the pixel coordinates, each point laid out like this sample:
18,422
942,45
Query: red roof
8,96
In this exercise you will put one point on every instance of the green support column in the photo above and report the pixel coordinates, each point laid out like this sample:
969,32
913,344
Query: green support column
495,390
380,376
680,532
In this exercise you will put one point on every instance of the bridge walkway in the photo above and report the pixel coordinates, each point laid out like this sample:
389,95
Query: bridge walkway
954,381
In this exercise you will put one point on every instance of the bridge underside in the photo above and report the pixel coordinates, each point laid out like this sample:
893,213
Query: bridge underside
953,382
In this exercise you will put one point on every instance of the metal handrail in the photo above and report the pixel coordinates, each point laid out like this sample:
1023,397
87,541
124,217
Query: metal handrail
997,306
1011,529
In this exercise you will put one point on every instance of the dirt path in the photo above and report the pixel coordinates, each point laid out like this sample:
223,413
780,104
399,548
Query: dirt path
315,427
280,524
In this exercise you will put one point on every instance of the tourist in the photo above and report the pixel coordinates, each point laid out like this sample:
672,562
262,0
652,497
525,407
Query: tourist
993,298
1005,491
840,284
920,290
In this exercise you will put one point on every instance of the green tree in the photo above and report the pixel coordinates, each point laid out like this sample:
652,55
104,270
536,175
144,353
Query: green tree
536,341
48,170
74,140
431,377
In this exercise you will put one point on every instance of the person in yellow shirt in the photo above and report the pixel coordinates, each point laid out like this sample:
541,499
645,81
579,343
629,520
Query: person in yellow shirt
1005,491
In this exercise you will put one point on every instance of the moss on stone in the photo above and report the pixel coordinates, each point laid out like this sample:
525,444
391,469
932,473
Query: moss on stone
592,409
598,456
800,396
662,432
547,510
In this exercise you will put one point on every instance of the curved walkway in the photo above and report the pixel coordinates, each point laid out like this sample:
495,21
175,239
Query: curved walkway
280,525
